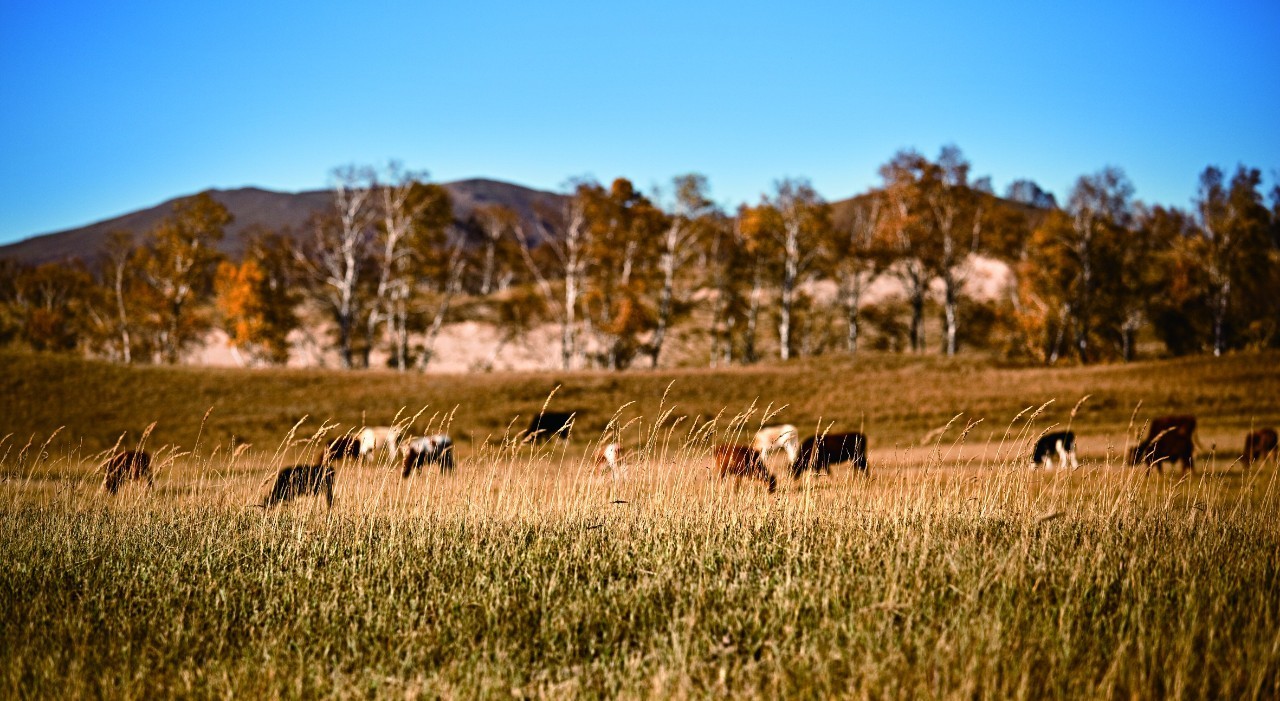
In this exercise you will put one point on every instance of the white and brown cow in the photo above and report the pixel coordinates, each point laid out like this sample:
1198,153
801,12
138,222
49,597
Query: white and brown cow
378,441
610,459
773,439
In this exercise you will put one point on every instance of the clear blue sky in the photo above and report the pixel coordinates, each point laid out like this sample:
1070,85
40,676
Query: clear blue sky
112,106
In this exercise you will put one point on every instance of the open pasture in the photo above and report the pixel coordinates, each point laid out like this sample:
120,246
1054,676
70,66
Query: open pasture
949,569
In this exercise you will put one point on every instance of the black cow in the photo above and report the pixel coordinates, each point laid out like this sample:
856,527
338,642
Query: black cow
339,448
819,453
550,424
125,466
301,480
1060,443
1170,439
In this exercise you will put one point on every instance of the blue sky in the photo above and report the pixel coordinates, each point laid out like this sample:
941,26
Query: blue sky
110,107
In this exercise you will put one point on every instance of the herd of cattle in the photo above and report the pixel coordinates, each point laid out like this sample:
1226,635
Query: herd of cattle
1170,440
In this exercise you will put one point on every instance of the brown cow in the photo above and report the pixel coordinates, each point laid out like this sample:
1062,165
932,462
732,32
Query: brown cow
1170,439
741,461
300,480
819,453
125,466
1259,445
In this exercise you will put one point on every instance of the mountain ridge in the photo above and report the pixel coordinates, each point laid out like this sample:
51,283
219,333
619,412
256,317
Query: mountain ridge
253,207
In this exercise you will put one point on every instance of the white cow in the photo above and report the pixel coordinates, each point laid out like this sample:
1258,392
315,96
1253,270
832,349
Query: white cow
772,439
377,439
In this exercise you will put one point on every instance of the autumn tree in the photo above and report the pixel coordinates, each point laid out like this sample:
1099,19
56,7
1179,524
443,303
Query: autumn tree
686,221
734,274
1134,261
257,298
177,263
1046,280
906,234
49,305
857,260
1173,283
793,225
436,266
1099,207
1238,256
625,227
1071,266
758,231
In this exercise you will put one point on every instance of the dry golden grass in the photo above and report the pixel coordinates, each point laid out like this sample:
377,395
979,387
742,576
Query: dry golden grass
950,569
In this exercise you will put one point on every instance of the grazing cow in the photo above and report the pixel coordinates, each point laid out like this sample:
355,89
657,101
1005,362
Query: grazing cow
1170,439
125,466
741,461
377,438
550,424
1063,443
609,459
772,439
819,453
428,450
301,480
1259,445
339,448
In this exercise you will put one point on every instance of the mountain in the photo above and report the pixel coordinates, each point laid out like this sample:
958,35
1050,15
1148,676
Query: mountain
254,207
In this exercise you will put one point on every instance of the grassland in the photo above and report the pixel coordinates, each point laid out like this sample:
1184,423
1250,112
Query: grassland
949,570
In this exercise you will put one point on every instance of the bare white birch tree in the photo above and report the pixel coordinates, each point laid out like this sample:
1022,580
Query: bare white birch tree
569,253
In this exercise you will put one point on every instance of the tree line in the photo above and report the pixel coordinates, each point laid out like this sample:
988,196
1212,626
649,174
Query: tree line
619,272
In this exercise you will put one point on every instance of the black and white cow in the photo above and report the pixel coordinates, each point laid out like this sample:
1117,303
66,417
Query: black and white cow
428,450
1060,443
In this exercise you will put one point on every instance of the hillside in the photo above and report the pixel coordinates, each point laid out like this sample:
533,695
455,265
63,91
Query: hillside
254,208
895,399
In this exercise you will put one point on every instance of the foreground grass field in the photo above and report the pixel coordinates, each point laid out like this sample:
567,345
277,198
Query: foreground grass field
949,570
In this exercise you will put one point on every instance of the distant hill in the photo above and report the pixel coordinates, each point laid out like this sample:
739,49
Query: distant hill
254,207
